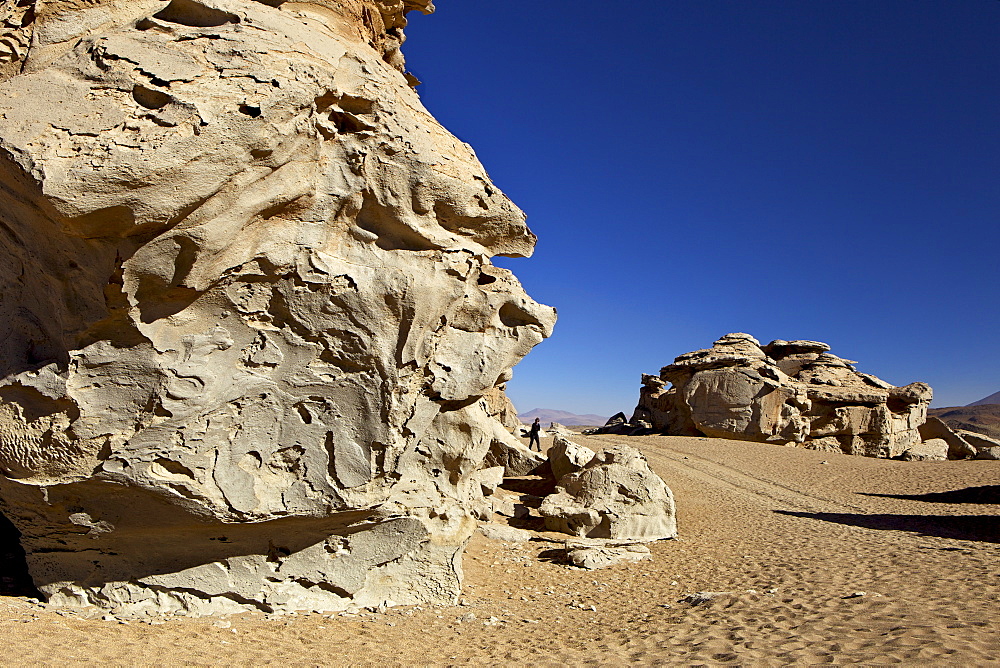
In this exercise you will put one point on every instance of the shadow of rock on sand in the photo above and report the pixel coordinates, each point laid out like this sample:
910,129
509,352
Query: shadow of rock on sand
983,494
984,528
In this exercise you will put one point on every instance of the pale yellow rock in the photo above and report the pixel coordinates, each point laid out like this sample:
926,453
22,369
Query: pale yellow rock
565,457
500,408
614,495
248,310
789,392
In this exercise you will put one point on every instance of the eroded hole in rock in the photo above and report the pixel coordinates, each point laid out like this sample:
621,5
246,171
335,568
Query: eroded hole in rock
304,413
513,315
110,221
331,455
250,110
34,405
14,578
252,460
187,254
343,114
897,405
276,553
455,220
348,123
40,352
195,15
356,105
168,302
485,279
172,467
392,233
150,98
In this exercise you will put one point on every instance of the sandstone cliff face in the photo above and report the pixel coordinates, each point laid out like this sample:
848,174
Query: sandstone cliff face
789,392
248,310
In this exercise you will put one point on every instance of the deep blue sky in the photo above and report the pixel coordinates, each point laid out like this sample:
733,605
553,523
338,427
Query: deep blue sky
805,169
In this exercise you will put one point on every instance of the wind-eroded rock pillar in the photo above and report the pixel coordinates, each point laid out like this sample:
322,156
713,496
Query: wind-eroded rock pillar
247,309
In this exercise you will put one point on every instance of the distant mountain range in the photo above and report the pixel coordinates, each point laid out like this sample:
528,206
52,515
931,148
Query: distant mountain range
992,399
546,415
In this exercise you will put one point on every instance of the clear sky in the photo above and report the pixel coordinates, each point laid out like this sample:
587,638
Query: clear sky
795,169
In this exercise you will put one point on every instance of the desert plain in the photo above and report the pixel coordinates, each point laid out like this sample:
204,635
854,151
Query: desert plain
784,555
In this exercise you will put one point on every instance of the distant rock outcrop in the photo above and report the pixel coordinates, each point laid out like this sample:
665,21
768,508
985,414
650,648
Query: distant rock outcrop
787,392
249,324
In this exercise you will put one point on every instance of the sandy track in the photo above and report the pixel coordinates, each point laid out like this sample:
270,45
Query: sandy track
788,539
717,475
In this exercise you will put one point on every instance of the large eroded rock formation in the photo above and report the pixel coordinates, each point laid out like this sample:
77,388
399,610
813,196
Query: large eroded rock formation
247,309
789,392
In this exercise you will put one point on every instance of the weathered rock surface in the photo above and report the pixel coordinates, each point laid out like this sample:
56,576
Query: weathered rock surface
986,447
958,447
620,425
248,316
787,392
615,495
931,450
594,553
500,408
505,533
566,457
991,453
515,457
490,479
556,429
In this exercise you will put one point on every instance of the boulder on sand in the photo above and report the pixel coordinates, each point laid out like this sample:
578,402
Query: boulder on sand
556,429
931,450
986,447
615,495
958,447
594,553
504,532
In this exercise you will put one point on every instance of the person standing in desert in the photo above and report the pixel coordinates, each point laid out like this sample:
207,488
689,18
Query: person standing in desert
533,433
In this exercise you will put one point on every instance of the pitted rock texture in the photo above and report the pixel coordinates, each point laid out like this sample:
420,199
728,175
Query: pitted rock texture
787,392
248,316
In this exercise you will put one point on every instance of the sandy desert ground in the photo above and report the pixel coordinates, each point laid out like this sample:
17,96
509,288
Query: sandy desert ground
816,558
